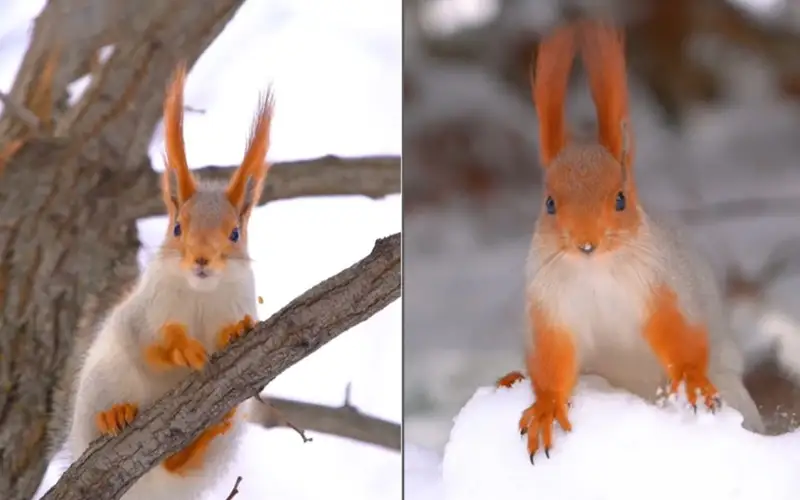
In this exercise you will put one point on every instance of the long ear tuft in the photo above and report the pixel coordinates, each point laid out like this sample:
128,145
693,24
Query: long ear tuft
549,89
173,135
253,168
603,50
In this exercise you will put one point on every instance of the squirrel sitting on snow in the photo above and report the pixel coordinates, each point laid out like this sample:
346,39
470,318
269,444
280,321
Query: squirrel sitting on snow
196,295
611,290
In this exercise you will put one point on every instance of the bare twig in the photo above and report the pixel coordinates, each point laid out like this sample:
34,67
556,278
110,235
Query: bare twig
284,419
345,421
235,490
190,109
372,176
111,465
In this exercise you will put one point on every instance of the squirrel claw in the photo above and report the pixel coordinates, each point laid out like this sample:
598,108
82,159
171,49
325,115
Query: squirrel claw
112,421
232,332
697,383
539,419
177,349
509,379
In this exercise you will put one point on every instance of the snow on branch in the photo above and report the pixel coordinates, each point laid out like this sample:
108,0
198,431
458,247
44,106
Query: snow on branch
621,447
111,465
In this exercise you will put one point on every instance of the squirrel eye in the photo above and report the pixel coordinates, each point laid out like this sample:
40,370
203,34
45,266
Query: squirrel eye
234,237
550,205
620,202
177,229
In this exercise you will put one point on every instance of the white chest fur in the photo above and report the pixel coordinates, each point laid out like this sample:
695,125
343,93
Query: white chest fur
169,298
601,300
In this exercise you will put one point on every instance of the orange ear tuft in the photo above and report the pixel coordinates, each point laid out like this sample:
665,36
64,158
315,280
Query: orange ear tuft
549,89
603,49
254,163
173,135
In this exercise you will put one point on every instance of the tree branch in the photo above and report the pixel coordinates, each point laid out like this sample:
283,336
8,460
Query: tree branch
372,176
111,465
345,421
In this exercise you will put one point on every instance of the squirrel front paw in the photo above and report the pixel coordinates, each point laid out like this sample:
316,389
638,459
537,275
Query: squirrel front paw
191,457
539,418
232,332
696,382
509,379
112,421
176,349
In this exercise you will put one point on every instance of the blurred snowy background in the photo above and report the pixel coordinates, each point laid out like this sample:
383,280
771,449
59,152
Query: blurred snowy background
354,111
715,87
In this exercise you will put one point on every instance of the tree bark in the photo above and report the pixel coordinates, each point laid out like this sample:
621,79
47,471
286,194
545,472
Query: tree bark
111,465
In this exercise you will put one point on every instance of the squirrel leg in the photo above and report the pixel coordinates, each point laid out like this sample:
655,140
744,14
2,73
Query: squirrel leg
233,331
553,368
192,456
113,420
176,349
509,379
681,348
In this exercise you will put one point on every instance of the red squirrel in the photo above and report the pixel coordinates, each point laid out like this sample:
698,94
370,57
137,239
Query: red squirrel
193,298
612,290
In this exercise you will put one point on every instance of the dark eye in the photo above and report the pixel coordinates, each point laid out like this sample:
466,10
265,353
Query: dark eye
550,205
234,237
620,203
177,229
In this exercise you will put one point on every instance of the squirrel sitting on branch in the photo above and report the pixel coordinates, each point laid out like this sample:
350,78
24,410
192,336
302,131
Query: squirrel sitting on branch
612,290
196,296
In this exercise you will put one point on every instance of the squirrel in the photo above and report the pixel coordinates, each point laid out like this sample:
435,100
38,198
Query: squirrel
610,289
196,296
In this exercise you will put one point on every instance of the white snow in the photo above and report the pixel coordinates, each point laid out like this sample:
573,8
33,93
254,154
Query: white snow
620,448
355,45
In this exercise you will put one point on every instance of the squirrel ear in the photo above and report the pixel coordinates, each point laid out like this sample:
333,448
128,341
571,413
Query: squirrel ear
603,49
549,80
253,171
173,135
167,192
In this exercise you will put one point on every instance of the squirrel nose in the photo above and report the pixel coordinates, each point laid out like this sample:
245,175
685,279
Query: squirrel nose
586,248
201,261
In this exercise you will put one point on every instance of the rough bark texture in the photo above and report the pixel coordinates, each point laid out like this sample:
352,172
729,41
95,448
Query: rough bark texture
345,421
110,466
68,195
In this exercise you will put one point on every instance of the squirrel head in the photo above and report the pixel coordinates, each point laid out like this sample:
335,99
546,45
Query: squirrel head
590,204
207,231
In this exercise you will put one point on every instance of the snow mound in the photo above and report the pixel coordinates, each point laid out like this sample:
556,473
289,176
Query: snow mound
621,447
422,476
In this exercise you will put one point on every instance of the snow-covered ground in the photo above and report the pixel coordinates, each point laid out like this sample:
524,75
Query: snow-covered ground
356,112
620,447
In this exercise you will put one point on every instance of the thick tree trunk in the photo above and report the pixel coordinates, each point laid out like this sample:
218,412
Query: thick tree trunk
64,238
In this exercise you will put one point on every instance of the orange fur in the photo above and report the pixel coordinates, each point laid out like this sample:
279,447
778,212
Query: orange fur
234,331
253,165
177,349
509,379
191,457
553,368
173,136
603,49
549,90
112,421
681,348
